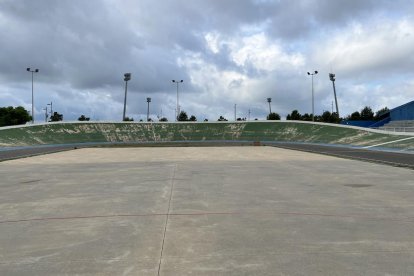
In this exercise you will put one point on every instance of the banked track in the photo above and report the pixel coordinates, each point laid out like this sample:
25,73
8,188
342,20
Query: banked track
342,141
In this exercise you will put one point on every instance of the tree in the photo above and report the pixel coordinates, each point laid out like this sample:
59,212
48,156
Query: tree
56,117
163,119
193,118
329,117
182,116
381,114
306,117
83,118
367,114
273,116
10,116
326,117
127,119
356,116
295,115
335,118
221,119
317,118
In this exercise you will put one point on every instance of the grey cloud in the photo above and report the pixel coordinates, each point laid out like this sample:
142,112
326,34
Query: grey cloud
304,19
82,49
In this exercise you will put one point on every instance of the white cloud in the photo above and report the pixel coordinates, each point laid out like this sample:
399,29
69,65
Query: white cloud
212,41
263,54
220,88
382,44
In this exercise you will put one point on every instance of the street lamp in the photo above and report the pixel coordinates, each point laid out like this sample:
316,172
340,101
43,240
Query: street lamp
127,77
313,101
269,100
332,78
148,101
178,104
32,71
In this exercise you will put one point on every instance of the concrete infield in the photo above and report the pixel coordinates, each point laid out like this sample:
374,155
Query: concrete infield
204,211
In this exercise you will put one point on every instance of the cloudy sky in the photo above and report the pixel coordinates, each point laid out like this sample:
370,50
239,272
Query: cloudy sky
227,52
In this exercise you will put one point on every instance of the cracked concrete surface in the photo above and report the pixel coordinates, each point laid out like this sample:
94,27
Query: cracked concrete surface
204,211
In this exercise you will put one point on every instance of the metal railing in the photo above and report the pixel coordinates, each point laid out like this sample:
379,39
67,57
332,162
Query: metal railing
397,129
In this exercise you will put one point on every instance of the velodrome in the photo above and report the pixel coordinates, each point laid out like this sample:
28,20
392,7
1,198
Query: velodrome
245,200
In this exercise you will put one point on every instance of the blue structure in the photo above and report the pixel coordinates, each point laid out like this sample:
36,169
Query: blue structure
401,113
358,123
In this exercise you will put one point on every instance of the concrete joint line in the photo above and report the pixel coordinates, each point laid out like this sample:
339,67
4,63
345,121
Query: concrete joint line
167,217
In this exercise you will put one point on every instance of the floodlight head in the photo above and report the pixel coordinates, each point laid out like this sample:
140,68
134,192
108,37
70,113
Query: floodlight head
269,100
173,80
37,70
316,72
148,100
332,76
308,73
181,81
127,76
28,69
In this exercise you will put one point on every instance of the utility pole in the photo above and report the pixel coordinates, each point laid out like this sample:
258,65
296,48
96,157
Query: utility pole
46,115
51,108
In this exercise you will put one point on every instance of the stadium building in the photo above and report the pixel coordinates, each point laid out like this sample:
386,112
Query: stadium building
399,119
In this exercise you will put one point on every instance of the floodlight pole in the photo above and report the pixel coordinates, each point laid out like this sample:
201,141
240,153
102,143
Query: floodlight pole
127,77
148,101
269,100
178,103
235,112
332,78
32,71
313,101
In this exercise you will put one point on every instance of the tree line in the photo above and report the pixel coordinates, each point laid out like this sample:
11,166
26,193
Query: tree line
365,114
19,115
10,116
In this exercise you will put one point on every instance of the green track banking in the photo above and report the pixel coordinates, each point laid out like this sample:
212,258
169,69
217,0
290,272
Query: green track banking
139,132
